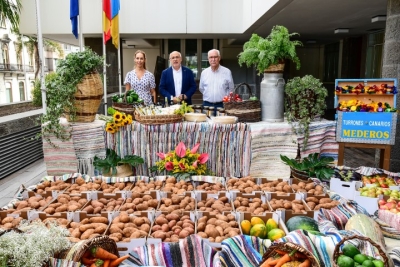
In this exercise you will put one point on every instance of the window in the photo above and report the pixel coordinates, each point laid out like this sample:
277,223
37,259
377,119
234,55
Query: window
191,56
373,62
21,91
4,54
9,98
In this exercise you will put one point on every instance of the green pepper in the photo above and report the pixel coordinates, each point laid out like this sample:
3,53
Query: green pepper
129,99
115,98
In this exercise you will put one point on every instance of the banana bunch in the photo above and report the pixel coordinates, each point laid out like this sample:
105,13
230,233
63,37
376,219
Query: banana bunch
184,108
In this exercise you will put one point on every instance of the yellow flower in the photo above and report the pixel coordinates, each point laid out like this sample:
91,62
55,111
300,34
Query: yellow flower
117,116
123,116
353,108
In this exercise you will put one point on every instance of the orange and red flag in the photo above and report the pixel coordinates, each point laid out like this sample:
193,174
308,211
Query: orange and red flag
111,21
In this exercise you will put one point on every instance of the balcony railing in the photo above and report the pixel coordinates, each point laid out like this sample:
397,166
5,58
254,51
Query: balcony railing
17,68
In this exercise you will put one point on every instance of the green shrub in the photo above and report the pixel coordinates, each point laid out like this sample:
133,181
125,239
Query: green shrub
37,93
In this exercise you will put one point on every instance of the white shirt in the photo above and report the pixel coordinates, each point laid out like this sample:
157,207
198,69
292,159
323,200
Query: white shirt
177,81
214,85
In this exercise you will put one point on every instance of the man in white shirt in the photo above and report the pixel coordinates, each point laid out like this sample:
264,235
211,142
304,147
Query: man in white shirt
177,82
215,82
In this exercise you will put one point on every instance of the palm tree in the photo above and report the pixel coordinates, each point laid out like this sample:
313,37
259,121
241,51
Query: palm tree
9,10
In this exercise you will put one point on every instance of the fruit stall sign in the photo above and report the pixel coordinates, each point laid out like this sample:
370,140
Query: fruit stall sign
366,127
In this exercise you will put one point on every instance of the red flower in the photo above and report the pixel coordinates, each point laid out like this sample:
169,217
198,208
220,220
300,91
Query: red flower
194,149
182,166
169,166
180,150
161,155
203,158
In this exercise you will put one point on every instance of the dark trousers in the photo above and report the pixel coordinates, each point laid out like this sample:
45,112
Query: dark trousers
215,105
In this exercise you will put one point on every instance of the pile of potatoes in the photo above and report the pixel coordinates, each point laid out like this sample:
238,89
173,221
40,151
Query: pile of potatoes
143,187
124,227
214,206
51,186
210,187
32,203
172,226
280,187
177,203
10,222
245,185
217,227
63,222
103,204
309,188
317,203
65,203
177,187
87,228
254,205
296,205
139,202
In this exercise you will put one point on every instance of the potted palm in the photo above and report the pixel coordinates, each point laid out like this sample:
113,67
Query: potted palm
266,53
75,92
304,101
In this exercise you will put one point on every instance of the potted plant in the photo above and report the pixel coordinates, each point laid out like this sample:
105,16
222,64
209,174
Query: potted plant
313,165
76,74
272,50
114,165
304,101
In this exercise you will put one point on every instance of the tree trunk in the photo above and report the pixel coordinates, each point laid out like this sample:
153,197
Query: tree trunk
37,61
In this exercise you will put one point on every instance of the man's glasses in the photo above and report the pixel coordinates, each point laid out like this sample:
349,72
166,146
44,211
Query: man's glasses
177,57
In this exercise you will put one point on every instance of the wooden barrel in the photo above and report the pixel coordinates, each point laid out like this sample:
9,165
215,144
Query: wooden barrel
88,97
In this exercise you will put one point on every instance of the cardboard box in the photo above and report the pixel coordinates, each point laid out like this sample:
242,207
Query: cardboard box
212,184
125,247
250,197
345,189
200,214
262,182
265,217
169,195
26,215
288,197
368,203
203,196
151,240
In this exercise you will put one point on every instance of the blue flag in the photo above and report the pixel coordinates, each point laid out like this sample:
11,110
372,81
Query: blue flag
73,15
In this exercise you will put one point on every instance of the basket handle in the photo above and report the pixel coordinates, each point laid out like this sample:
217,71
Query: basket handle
381,252
240,84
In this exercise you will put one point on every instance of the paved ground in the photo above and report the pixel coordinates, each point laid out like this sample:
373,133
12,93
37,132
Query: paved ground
27,176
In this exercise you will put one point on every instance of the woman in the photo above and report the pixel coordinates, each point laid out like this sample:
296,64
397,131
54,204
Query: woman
141,80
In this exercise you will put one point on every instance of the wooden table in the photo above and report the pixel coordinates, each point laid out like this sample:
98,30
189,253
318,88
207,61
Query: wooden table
384,161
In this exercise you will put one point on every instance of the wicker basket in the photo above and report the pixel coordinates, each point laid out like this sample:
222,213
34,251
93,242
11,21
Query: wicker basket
337,253
124,170
301,175
88,96
76,252
246,111
289,247
158,119
278,68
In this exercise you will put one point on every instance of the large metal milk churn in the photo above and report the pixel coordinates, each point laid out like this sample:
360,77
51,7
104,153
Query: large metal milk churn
272,97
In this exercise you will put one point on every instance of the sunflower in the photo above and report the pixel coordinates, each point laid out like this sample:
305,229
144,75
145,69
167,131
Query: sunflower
123,116
117,116
110,128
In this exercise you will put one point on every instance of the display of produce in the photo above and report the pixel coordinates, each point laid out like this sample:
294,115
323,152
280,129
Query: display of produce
391,205
347,175
130,97
377,191
302,222
378,180
383,88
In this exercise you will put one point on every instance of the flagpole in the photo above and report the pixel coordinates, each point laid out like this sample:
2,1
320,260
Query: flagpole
40,48
119,69
80,27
